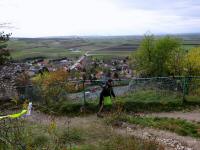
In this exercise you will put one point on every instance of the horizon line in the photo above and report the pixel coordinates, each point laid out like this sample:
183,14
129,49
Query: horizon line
77,36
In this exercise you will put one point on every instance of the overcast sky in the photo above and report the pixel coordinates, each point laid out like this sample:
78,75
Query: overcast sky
39,18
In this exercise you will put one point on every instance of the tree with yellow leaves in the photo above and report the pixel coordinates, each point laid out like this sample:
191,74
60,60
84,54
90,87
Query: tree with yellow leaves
51,84
192,62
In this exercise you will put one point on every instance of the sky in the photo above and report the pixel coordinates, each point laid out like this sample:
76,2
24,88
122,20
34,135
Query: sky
41,18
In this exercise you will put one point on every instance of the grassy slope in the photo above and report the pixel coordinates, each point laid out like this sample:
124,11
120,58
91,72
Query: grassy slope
90,136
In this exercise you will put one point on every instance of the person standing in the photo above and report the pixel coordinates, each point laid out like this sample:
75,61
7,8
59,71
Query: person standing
105,97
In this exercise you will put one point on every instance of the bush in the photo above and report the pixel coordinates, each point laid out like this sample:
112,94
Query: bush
51,85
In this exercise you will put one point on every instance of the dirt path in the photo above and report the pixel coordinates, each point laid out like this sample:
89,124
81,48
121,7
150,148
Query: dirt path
190,116
171,141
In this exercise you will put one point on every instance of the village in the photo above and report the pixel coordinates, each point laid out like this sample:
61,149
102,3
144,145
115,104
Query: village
95,68
86,67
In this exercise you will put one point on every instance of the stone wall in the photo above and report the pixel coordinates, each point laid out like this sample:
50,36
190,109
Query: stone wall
8,75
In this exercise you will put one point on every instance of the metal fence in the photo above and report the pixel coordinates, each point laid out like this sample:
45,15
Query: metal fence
185,87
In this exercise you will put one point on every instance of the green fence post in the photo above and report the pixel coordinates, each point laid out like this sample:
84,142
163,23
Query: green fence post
185,88
84,100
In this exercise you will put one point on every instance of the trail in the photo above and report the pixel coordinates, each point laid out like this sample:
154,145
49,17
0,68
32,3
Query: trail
120,90
170,140
190,116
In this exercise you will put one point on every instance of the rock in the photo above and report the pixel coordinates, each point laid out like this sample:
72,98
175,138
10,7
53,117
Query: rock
188,149
8,75
146,134
124,125
119,124
129,129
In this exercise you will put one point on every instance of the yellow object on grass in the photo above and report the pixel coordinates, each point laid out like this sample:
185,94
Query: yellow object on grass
17,115
23,112
26,112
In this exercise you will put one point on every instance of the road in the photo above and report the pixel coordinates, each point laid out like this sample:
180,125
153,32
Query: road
93,95
79,61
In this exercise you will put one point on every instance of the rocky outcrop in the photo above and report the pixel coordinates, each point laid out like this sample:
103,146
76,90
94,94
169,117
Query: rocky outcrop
8,75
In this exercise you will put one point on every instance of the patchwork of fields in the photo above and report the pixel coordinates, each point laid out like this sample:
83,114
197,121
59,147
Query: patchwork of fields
75,46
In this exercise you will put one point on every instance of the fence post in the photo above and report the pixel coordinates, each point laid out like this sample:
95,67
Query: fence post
84,100
185,88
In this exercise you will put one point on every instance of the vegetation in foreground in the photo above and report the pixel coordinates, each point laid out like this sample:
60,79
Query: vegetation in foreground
33,136
181,127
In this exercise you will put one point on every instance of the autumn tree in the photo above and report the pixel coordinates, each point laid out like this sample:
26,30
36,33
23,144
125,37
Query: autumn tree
192,62
51,85
175,63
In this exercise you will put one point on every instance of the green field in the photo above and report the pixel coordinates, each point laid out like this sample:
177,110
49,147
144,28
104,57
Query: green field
62,47
45,52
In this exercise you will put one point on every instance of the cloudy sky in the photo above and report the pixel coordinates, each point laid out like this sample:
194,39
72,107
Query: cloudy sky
39,18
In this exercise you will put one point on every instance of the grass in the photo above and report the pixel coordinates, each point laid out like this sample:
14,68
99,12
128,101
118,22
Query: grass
68,108
55,48
90,136
45,52
120,143
151,101
181,127
138,101
146,96
110,53
59,52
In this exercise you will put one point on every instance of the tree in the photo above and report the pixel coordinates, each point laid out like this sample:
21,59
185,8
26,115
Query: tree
4,52
164,47
192,62
141,60
175,62
153,55
51,85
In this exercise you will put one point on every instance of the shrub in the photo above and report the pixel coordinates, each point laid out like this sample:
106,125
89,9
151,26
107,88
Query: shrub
51,85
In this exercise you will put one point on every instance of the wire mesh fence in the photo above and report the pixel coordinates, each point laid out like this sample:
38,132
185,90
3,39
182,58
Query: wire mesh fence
187,88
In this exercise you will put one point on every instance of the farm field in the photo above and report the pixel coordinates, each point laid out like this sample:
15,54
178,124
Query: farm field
57,47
